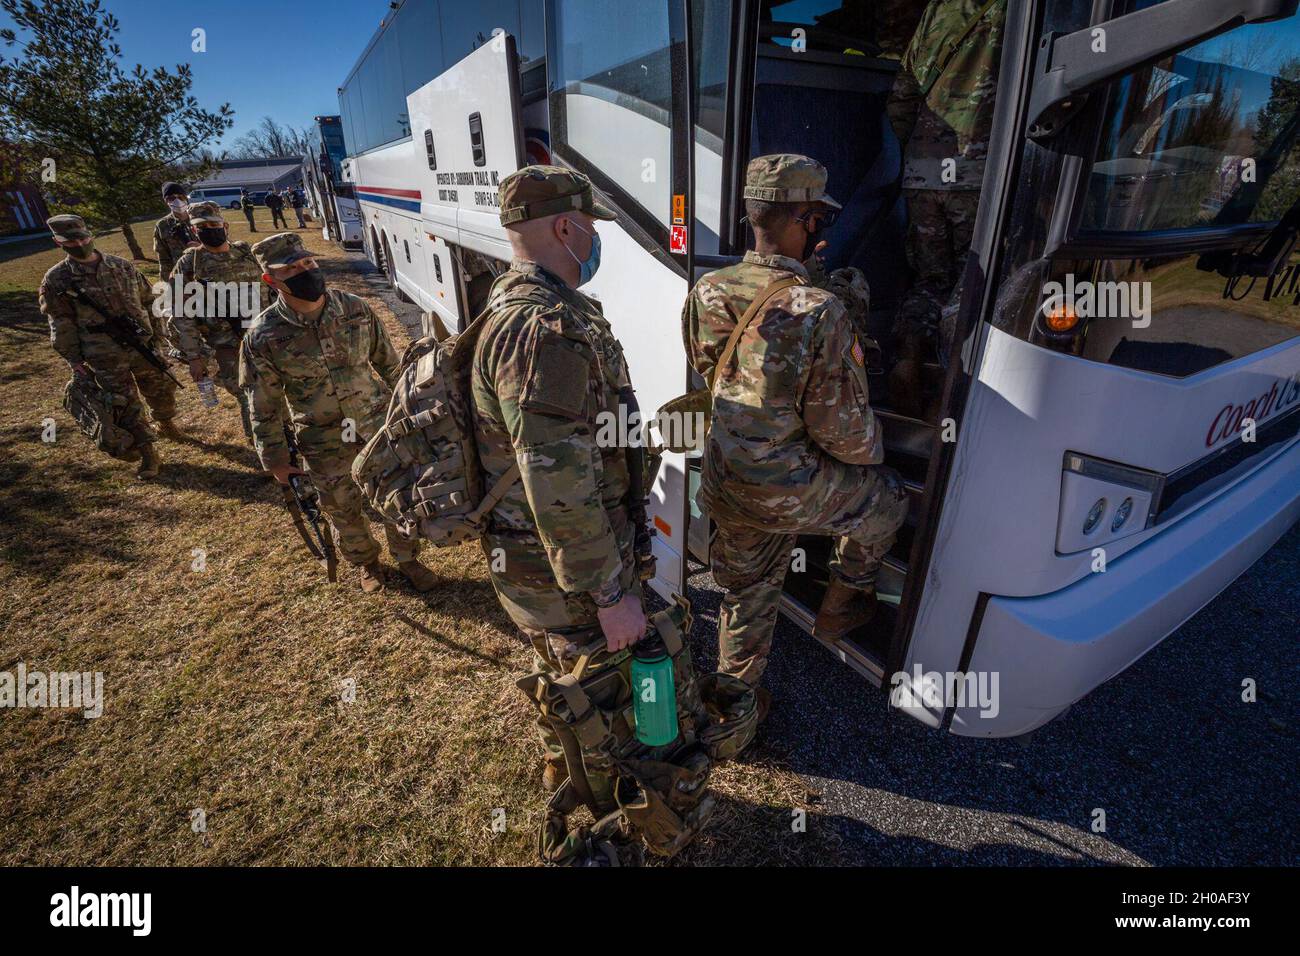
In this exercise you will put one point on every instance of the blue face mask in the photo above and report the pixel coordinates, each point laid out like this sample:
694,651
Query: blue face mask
587,268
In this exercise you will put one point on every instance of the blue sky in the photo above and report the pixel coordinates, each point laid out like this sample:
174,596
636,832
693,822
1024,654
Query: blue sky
264,57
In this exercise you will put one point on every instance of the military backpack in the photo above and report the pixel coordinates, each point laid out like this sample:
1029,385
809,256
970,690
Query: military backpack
421,470
96,412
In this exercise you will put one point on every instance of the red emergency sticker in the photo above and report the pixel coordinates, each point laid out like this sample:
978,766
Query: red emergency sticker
677,240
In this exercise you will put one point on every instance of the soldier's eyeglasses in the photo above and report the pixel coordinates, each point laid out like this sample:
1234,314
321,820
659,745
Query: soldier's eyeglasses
827,217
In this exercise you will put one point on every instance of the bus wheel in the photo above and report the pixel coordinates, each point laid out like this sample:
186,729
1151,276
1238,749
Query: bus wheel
392,273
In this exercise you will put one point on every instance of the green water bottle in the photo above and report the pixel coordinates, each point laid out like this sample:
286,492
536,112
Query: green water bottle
654,698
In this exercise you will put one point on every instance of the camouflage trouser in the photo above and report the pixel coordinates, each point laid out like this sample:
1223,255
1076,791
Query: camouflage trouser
750,564
248,214
557,624
939,229
221,338
126,373
228,378
345,505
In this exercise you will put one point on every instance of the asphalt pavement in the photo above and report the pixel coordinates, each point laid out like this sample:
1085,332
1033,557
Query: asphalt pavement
1187,774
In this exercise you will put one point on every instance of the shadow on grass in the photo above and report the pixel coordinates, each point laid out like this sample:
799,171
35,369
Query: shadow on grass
242,455
447,642
49,530
242,485
20,315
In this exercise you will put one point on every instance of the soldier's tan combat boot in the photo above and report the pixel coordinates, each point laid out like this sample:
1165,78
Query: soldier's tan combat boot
843,609
167,428
149,462
372,577
554,773
421,578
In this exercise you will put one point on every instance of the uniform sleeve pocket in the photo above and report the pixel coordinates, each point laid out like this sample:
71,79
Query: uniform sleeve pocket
557,379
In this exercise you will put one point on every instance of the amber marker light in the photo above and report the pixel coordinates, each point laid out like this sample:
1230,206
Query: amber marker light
1061,318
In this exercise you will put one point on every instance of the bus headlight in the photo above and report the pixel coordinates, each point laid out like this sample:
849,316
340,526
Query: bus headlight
1102,501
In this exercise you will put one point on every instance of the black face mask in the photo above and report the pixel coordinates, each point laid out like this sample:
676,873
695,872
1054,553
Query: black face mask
308,286
80,252
210,236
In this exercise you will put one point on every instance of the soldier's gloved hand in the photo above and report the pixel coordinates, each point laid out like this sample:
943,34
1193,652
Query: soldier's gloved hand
623,623
198,369
282,473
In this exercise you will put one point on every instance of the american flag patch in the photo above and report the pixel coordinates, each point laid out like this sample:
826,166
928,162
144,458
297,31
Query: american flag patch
858,354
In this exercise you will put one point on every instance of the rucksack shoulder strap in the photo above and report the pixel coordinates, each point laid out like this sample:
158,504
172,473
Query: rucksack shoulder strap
751,313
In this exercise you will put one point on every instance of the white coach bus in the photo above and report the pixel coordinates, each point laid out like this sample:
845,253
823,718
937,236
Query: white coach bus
1082,483
329,195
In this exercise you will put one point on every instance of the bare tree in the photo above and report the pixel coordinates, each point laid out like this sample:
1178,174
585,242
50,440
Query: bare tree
270,138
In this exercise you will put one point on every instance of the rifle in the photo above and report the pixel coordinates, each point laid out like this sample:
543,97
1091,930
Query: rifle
642,466
125,331
303,501
183,232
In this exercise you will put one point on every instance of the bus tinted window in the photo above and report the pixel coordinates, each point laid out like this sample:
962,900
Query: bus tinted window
467,26
418,33
614,71
1206,137
532,31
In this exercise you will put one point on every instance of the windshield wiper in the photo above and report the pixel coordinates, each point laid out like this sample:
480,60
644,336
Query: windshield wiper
1266,259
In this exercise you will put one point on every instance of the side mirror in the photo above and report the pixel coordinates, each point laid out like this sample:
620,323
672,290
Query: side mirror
1076,63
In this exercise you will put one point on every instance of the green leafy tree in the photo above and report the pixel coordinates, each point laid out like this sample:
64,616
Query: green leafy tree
114,135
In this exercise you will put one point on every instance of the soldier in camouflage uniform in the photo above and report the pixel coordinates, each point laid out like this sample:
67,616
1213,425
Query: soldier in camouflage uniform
247,205
324,354
173,233
216,260
941,110
793,445
117,287
561,540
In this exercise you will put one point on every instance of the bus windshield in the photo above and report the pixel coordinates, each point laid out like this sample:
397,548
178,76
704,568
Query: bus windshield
1207,137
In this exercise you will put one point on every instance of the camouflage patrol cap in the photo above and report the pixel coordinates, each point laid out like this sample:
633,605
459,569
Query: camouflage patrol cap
538,191
68,227
201,212
282,249
787,177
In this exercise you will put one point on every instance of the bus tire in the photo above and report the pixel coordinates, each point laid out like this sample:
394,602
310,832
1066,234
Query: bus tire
392,273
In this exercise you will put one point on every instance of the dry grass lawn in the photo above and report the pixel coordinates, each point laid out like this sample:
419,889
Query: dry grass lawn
223,686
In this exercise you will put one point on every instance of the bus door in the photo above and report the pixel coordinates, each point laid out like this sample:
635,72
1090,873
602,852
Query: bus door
1119,320
619,102
814,79
467,135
